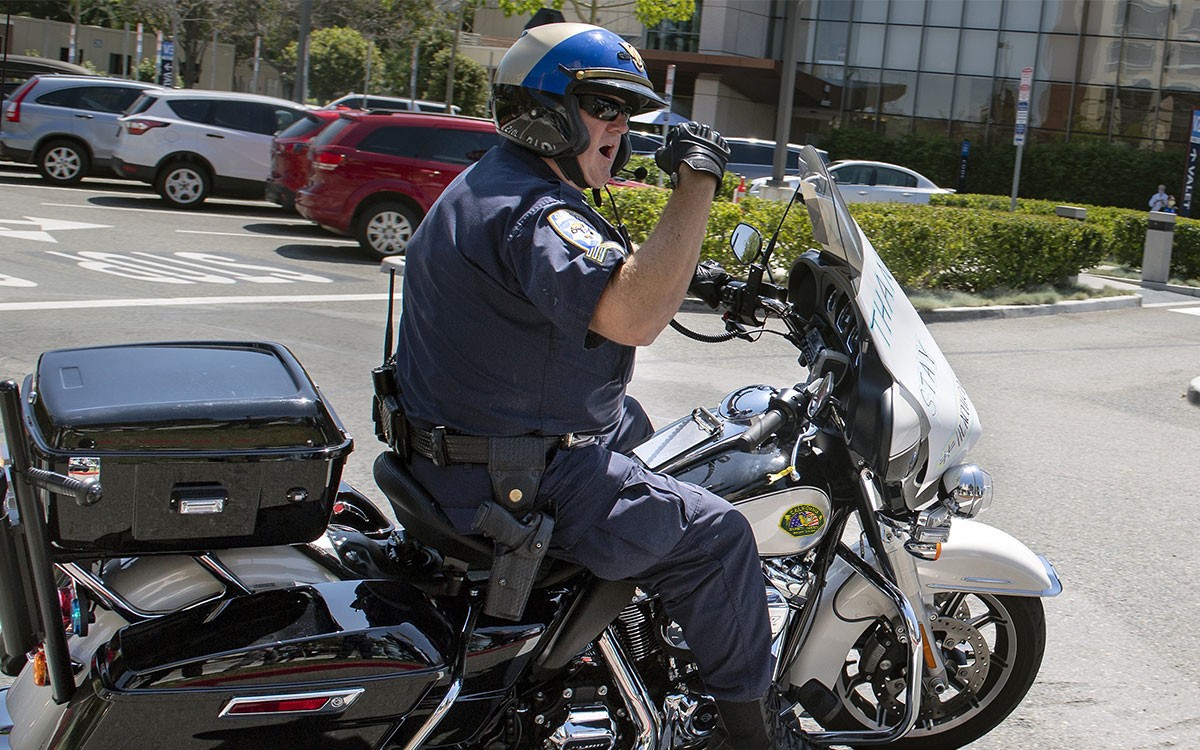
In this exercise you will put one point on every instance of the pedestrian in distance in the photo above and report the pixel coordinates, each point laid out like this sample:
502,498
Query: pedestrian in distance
1159,200
1170,209
522,308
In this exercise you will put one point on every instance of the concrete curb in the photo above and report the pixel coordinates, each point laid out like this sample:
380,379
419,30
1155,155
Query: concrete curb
949,314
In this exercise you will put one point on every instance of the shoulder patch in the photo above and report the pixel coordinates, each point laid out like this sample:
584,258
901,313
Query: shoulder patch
575,230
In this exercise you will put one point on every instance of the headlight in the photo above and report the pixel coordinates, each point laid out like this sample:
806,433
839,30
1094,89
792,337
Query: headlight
967,490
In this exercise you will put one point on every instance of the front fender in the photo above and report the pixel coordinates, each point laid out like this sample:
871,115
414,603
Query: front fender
977,558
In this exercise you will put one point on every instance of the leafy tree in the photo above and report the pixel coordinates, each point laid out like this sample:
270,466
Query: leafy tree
647,12
337,62
188,22
470,82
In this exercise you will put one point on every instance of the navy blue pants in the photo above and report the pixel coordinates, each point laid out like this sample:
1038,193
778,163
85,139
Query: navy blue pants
621,521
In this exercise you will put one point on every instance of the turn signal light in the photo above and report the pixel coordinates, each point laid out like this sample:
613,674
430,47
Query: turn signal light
41,673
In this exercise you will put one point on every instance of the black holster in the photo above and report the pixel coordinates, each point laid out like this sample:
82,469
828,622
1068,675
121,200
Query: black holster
519,549
390,426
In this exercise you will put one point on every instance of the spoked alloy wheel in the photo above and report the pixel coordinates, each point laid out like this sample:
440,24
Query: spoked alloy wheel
386,227
183,185
63,162
992,646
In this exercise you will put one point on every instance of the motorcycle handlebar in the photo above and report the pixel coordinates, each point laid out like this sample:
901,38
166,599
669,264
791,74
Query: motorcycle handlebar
763,427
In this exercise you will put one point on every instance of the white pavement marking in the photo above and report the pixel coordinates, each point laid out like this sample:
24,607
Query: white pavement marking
198,214
331,240
1187,310
180,301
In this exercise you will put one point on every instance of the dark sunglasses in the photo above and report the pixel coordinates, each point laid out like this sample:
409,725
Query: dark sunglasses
603,108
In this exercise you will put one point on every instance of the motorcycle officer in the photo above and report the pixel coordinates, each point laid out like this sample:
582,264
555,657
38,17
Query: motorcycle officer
521,311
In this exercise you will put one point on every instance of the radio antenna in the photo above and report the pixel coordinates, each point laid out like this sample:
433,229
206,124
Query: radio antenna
391,309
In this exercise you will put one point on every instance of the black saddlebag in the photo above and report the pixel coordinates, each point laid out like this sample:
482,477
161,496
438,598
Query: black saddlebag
197,445
329,665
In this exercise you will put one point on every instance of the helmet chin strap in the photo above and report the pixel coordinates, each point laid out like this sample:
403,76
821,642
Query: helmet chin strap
569,165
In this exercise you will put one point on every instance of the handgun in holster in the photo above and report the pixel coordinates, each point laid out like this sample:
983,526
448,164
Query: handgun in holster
519,549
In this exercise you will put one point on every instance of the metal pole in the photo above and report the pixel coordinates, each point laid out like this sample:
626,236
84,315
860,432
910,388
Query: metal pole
301,93
212,74
787,93
254,75
412,76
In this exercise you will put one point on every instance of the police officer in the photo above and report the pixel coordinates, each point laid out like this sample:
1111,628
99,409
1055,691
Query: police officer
522,308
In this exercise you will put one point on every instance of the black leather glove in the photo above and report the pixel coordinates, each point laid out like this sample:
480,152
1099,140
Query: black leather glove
707,282
698,146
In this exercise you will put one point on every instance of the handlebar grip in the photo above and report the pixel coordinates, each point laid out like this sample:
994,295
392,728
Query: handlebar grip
764,426
85,491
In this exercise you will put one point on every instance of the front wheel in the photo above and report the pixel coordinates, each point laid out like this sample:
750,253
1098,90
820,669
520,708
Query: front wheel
183,184
992,646
385,228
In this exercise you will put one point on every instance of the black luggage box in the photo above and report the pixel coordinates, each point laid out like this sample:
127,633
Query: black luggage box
197,445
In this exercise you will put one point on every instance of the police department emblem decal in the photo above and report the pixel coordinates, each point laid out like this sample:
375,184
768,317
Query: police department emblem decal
634,56
802,520
576,231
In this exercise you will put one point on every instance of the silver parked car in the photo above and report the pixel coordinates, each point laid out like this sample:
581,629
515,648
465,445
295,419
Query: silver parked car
869,182
66,124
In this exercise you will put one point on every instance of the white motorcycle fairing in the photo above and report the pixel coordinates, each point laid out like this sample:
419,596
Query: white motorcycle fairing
977,558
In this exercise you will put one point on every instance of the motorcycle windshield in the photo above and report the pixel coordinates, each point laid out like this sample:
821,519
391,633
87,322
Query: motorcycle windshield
932,422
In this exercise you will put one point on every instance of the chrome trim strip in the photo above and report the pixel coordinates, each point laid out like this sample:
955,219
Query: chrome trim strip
633,692
336,701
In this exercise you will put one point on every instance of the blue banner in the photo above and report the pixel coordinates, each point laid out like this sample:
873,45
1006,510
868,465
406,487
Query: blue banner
1189,177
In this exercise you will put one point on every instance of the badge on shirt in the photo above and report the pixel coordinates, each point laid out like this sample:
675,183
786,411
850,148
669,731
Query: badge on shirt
576,231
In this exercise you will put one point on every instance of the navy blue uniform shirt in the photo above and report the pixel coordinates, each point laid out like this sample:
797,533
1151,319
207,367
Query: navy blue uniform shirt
500,283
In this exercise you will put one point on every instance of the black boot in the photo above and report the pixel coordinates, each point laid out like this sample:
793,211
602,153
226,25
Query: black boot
749,725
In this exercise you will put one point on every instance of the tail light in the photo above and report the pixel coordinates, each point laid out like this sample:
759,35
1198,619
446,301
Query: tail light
140,125
328,160
12,108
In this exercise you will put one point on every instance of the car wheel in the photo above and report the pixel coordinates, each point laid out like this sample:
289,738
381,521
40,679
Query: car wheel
183,184
63,162
385,228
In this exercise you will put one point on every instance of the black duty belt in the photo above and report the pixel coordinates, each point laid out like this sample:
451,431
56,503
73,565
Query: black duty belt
443,447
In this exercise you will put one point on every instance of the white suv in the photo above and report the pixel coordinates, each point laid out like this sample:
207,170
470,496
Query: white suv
190,143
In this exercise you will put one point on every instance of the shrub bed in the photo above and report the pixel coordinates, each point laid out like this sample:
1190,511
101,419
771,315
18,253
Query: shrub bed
968,243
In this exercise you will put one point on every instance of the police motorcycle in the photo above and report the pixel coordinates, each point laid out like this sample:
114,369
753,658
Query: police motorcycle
184,568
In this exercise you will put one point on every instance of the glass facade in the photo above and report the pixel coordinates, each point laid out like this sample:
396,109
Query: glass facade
1120,70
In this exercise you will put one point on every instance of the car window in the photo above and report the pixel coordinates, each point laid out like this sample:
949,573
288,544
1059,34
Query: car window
249,117
853,174
750,153
93,98
395,140
328,134
459,146
303,125
894,178
141,104
192,110
282,118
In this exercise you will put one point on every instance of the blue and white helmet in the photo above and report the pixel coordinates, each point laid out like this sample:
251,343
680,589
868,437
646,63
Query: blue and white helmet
534,96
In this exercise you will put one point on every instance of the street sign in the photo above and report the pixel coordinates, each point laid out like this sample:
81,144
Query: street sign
1024,90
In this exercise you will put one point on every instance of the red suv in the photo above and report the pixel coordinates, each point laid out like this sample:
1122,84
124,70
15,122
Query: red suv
289,156
376,175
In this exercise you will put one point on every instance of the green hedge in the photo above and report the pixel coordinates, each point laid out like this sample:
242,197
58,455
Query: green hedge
965,246
1123,229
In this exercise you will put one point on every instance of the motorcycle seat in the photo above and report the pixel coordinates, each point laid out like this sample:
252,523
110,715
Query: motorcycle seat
423,518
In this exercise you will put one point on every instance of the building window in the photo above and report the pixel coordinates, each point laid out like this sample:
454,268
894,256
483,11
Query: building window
676,36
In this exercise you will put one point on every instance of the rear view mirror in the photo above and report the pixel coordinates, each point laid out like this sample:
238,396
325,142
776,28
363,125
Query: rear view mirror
746,243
